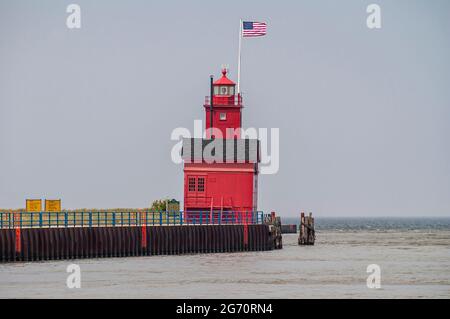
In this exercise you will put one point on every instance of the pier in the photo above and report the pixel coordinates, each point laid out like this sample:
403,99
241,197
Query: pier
76,235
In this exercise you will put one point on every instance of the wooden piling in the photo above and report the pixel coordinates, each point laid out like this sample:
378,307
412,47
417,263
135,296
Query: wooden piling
307,232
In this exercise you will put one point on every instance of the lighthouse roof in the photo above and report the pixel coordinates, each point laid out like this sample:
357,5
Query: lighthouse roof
224,80
220,150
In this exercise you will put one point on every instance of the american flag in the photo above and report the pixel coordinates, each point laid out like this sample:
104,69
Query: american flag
253,29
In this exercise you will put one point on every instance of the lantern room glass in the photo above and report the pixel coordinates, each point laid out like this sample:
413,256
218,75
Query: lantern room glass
224,90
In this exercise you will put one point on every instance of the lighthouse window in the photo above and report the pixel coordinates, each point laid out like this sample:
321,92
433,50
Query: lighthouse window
216,90
223,90
191,182
201,184
223,116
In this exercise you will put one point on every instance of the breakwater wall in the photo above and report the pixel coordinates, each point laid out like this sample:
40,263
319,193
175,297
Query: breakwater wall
289,229
53,243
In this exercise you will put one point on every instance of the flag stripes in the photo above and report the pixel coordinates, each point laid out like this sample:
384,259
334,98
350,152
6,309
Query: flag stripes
253,29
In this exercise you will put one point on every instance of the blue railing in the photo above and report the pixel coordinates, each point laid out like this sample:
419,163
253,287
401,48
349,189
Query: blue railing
139,218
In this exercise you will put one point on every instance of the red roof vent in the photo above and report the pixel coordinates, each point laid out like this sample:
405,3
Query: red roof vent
224,80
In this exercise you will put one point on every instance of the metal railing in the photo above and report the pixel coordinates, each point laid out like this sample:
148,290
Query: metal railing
114,219
223,217
235,100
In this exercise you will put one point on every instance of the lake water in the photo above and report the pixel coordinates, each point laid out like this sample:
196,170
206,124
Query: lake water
414,256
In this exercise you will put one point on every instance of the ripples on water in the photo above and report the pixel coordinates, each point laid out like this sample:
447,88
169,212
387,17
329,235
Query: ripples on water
414,256
391,223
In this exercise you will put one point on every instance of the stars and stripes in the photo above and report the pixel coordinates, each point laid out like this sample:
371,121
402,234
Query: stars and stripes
253,29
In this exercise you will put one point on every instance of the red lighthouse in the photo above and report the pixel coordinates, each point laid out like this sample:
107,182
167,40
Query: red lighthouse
221,171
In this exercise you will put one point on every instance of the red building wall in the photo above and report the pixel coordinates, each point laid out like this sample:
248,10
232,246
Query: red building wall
226,186
232,115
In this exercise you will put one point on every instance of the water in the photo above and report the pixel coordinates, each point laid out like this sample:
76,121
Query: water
379,223
414,256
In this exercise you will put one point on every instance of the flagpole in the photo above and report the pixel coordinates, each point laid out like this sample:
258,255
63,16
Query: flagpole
239,59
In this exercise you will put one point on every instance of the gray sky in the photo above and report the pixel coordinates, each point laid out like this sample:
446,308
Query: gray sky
86,115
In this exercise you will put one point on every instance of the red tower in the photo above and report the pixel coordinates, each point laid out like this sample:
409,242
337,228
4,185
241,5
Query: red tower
227,106
221,173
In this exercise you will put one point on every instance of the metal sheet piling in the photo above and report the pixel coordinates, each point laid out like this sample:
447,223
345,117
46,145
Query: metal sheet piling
101,239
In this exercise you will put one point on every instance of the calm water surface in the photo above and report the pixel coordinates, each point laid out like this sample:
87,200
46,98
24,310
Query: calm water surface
414,260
